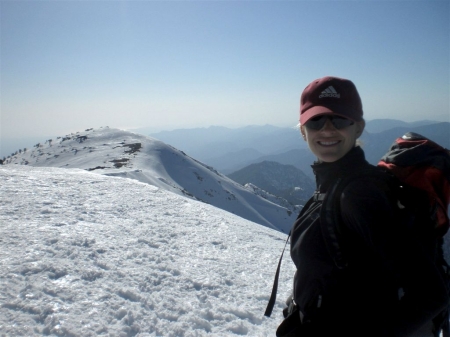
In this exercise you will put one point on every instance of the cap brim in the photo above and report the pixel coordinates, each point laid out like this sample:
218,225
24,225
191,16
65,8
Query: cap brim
322,110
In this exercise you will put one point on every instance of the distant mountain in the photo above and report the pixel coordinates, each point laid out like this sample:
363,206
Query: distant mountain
380,125
301,159
209,144
285,181
376,145
124,154
231,160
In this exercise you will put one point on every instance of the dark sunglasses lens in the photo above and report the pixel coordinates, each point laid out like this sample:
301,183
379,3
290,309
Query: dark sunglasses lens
340,123
316,123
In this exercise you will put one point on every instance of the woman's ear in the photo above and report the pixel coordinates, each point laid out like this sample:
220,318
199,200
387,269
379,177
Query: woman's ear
302,131
360,127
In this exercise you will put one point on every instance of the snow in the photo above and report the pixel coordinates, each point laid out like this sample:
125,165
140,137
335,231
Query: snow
125,154
85,254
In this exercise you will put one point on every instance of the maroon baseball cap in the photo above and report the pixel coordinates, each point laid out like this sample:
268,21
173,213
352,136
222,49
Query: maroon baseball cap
330,95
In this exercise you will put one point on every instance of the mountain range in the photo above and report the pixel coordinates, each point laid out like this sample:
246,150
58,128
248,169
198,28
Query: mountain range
125,154
286,181
229,150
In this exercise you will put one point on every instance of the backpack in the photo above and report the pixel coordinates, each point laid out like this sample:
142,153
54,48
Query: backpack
420,164
418,173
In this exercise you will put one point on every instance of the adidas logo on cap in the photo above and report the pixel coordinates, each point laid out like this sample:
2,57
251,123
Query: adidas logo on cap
330,92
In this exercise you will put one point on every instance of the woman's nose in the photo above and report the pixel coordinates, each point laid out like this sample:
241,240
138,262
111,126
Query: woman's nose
328,126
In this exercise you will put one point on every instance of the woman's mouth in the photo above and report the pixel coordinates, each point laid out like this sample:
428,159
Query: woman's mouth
328,143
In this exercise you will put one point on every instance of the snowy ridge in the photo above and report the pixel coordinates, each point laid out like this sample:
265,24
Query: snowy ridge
80,259
125,154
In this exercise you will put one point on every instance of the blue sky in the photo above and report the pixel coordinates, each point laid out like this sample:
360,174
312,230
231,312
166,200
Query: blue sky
70,65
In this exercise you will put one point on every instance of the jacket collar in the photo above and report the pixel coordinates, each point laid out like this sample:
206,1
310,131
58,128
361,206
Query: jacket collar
327,173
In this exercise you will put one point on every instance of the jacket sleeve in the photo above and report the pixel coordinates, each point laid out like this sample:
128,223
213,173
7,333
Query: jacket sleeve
367,212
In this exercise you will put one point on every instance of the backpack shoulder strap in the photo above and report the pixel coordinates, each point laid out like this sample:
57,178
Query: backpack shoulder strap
273,295
330,215
330,220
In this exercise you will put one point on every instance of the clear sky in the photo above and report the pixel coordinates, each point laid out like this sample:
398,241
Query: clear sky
71,65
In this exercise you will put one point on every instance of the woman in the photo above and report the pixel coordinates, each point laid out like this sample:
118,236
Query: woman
364,298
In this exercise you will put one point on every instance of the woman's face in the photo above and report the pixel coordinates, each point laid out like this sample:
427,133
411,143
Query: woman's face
330,144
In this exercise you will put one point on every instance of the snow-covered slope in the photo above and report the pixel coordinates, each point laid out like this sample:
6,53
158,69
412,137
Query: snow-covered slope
129,155
84,254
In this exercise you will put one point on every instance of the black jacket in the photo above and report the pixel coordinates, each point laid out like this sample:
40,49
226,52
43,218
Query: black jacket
390,288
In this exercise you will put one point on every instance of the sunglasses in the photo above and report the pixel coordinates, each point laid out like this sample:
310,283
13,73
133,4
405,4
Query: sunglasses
318,122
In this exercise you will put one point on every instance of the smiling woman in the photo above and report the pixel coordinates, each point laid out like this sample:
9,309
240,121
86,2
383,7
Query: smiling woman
330,143
354,220
331,117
